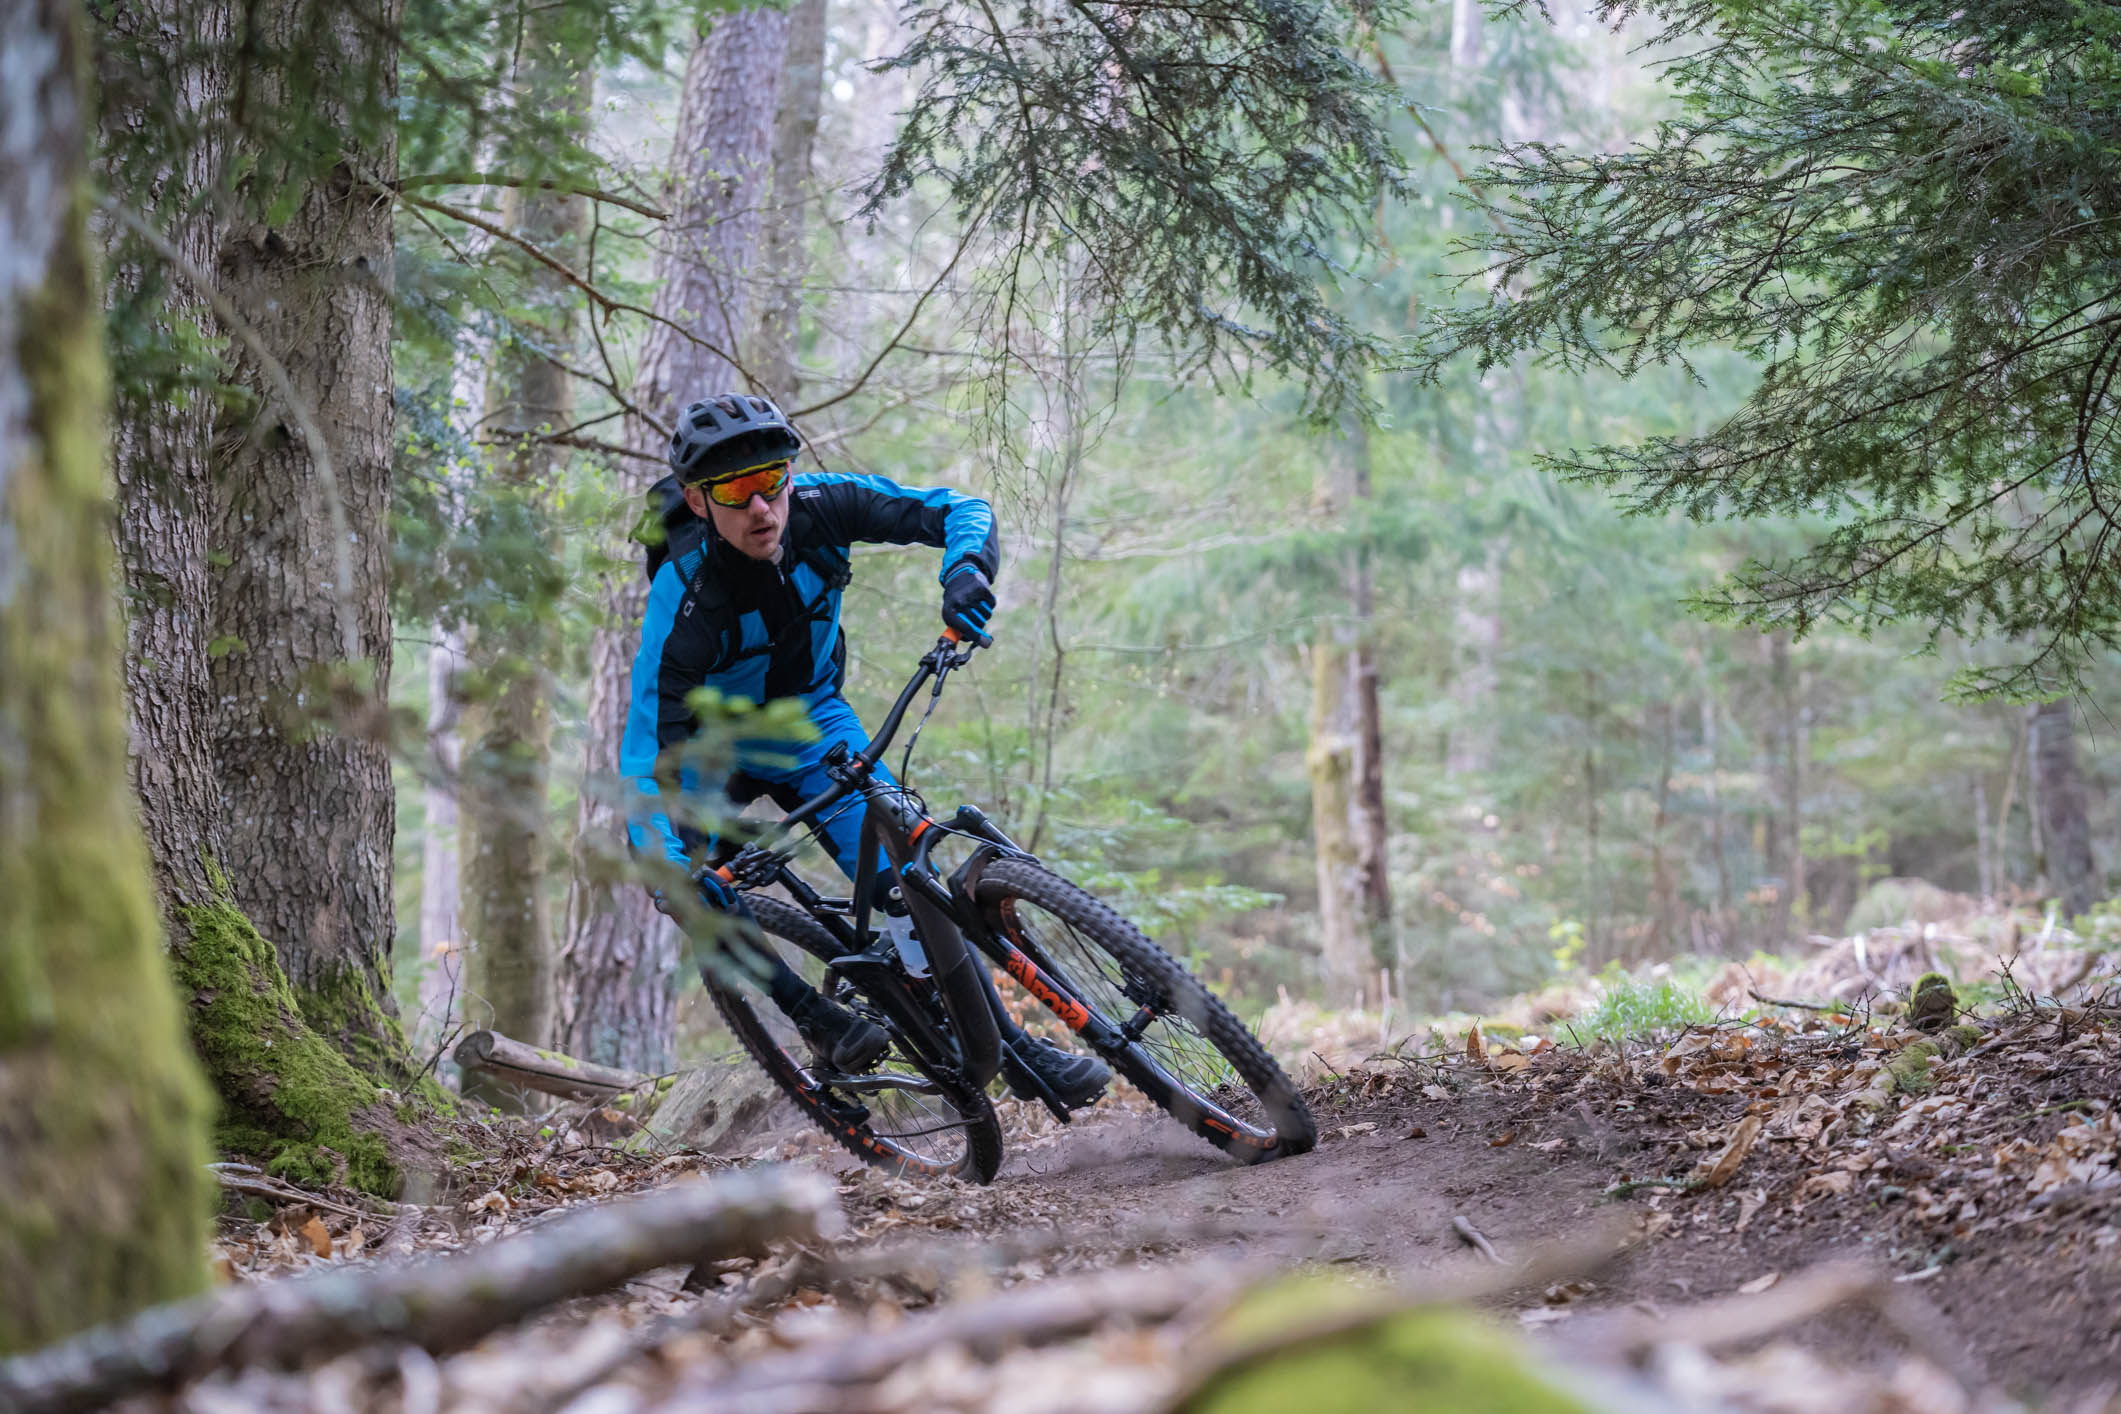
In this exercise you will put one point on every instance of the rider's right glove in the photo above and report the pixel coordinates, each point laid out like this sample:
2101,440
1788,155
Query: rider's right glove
968,602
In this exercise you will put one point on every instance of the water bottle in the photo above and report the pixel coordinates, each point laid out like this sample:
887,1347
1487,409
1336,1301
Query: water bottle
911,955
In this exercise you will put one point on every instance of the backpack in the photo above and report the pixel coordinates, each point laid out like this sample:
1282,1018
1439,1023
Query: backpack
669,527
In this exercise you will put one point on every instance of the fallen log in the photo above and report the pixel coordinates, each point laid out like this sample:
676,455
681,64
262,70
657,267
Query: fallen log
1041,1313
440,1304
549,1072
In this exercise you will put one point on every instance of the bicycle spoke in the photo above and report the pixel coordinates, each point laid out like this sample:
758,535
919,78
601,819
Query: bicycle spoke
1167,1038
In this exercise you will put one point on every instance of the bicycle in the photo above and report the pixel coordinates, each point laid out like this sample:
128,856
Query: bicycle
923,1109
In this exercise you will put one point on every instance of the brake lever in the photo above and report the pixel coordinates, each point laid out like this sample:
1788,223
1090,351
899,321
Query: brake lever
754,866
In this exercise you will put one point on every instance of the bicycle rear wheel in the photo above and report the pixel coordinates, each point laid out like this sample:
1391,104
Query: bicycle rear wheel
905,1115
1184,1048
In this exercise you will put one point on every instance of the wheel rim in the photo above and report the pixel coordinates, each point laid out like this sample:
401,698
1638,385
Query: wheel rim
1171,1043
918,1128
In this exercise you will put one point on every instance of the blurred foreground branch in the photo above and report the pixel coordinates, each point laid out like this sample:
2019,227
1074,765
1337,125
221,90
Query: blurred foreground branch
440,1305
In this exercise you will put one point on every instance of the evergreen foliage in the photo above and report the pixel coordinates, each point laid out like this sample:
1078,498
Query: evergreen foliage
1202,159
1900,209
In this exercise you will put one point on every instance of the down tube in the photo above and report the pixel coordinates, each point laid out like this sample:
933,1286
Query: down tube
956,966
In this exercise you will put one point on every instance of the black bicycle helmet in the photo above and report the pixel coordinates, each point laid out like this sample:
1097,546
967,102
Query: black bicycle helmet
729,432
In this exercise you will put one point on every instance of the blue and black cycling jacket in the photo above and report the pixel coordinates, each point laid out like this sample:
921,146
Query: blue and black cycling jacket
718,618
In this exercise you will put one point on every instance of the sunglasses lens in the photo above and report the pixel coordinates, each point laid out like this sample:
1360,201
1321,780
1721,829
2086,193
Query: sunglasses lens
738,490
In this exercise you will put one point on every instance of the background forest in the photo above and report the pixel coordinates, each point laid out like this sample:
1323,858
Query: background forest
1490,495
1210,596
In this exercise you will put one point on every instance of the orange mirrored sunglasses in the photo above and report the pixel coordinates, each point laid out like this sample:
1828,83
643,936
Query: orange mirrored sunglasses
737,488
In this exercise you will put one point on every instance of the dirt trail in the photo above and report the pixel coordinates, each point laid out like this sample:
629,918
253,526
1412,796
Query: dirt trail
2029,1298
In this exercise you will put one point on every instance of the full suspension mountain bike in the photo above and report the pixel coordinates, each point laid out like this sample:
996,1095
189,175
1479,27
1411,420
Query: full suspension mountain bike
923,1108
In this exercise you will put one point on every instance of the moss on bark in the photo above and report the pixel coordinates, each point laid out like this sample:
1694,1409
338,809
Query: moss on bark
103,1193
288,1095
368,1034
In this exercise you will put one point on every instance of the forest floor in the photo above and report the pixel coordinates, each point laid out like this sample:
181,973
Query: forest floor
1624,1191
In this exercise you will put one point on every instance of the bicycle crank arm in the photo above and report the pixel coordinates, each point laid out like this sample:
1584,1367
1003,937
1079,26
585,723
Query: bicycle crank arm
875,1084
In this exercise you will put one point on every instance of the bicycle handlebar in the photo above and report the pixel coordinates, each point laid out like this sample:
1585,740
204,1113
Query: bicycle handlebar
950,653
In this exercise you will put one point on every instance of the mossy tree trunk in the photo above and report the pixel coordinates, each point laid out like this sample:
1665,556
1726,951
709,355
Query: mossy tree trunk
1346,753
102,1114
171,132
507,725
309,806
619,959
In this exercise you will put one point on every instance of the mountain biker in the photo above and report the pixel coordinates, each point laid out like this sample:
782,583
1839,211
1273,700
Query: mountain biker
744,597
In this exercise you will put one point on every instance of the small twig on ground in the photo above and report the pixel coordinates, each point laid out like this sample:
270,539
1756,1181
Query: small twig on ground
1337,1076
1473,1237
1764,999
282,1193
1628,1185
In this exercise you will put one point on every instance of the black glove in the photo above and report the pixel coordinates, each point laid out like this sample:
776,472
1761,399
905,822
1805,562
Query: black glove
968,602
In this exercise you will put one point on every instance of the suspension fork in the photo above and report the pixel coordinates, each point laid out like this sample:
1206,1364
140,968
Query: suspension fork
1055,993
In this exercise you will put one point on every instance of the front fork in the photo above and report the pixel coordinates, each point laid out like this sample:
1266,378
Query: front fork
1052,992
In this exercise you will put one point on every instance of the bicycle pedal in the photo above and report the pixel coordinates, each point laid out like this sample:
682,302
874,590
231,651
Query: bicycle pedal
844,1111
868,961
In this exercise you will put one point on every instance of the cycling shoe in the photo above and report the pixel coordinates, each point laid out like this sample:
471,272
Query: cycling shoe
1075,1080
836,1036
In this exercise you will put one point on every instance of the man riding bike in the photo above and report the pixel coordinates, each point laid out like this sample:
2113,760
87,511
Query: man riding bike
744,597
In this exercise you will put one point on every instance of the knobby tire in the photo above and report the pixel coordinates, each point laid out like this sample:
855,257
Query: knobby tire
1188,1011
740,1010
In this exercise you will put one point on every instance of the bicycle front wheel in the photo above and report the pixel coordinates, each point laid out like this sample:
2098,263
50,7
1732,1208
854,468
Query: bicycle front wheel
1180,1045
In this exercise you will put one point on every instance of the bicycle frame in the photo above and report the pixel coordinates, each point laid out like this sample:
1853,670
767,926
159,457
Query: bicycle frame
943,910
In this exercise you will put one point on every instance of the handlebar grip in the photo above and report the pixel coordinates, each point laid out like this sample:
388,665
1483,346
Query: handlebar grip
953,635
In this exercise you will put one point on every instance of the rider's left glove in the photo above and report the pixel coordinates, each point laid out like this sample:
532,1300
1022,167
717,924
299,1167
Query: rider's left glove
968,603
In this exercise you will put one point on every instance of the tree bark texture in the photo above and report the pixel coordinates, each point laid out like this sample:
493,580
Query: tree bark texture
170,79
309,806
102,1113
1344,951
2072,875
155,71
620,959
507,724
782,254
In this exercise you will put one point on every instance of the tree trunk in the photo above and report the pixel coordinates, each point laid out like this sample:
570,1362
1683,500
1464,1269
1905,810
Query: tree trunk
162,426
1594,900
1346,753
1789,862
2072,875
507,725
1465,33
309,806
782,257
1373,830
1343,949
619,961
441,933
1714,791
287,1096
102,1114
1477,621
1664,892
